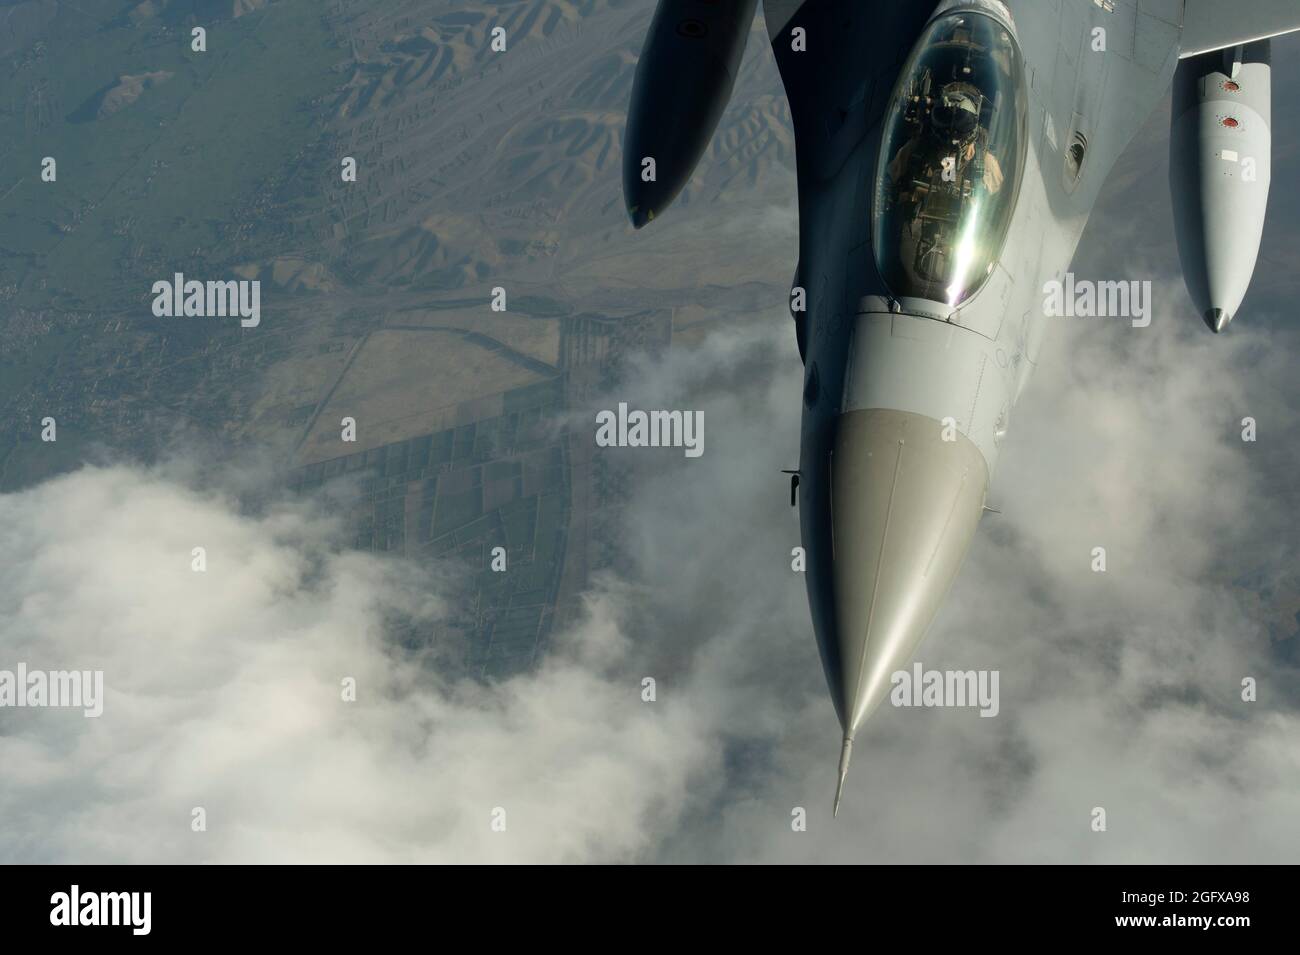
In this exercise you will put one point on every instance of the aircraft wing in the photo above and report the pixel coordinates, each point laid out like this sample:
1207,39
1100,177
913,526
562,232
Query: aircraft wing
1214,24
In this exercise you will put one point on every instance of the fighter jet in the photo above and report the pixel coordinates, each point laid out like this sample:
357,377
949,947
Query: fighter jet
948,157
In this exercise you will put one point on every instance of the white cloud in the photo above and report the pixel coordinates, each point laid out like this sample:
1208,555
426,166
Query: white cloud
223,691
1118,690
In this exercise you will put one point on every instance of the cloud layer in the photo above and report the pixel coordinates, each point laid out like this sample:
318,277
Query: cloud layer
1119,690
224,691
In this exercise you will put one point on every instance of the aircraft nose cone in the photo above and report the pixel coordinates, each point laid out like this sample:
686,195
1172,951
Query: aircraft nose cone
1217,319
905,504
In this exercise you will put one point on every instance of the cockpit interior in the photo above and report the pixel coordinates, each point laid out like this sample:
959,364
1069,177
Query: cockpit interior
951,160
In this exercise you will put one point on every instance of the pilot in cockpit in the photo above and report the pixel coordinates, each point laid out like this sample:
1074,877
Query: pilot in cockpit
950,131
950,162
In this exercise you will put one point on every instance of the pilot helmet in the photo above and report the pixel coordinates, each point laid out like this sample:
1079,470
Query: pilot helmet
955,113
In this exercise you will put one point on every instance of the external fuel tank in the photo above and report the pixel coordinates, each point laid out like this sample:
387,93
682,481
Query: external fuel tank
1220,166
683,83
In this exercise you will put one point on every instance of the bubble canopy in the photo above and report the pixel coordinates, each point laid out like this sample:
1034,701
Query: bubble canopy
951,160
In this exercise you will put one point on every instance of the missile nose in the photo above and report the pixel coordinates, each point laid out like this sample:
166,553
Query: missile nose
905,505
1217,319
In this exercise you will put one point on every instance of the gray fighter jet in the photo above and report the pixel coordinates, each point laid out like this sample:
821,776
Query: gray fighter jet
949,155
